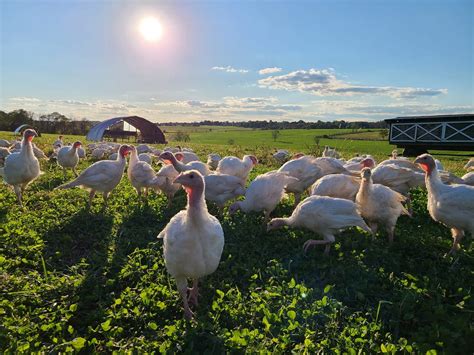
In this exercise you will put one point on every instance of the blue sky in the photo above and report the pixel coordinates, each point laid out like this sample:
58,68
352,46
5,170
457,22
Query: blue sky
238,60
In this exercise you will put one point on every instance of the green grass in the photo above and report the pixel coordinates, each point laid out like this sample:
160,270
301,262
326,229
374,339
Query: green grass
72,280
367,135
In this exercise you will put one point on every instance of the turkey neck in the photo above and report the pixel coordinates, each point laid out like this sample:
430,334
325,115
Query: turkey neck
133,158
433,181
196,203
179,166
73,151
27,147
121,160
365,186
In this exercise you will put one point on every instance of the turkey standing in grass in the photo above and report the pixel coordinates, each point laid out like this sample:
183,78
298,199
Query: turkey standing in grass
221,188
379,205
141,174
170,158
68,157
337,185
23,167
264,193
102,176
305,171
169,187
452,205
193,241
322,215
236,167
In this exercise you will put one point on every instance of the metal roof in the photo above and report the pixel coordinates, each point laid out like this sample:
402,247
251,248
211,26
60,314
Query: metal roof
20,129
433,118
150,133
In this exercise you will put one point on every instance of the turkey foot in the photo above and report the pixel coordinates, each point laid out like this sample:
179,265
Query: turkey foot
308,244
193,293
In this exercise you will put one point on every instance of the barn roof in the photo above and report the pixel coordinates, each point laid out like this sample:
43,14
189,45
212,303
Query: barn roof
149,131
433,118
21,128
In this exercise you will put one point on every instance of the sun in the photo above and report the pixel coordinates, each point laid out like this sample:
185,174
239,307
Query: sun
151,29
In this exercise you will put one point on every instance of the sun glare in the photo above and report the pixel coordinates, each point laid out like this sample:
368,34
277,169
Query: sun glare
151,29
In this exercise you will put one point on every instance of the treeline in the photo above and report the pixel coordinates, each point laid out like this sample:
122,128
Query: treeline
48,123
284,124
58,123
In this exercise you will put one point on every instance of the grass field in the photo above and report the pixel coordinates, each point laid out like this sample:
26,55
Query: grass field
75,281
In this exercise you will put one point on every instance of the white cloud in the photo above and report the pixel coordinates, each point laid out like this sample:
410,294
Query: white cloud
229,69
24,99
269,70
323,82
235,108
364,110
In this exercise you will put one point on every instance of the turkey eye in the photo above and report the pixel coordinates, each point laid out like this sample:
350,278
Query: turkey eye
191,176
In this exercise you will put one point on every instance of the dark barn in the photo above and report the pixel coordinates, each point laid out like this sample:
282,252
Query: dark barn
417,134
113,128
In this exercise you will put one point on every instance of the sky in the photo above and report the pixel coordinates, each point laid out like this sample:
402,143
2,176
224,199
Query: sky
238,60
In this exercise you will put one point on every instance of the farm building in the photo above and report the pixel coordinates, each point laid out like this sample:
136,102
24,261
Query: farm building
141,130
417,134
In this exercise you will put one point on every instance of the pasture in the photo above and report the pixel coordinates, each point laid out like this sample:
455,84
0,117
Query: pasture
73,280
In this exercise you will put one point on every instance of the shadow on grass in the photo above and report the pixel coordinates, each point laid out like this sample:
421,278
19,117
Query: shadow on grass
83,241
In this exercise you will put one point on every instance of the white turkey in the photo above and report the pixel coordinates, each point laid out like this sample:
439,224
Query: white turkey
68,157
322,215
4,143
452,205
357,166
81,153
396,156
337,185
221,188
186,157
330,153
4,152
439,165
264,193
331,166
170,158
358,158
193,241
213,160
141,174
98,153
146,158
169,187
23,167
470,164
306,173
143,148
403,163
379,205
281,156
468,178
397,178
39,154
102,176
237,167
58,143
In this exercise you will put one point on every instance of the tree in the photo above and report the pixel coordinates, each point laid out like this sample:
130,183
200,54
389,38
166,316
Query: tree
384,133
16,118
275,135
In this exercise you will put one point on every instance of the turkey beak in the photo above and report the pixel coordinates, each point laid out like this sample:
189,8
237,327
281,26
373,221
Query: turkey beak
417,161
